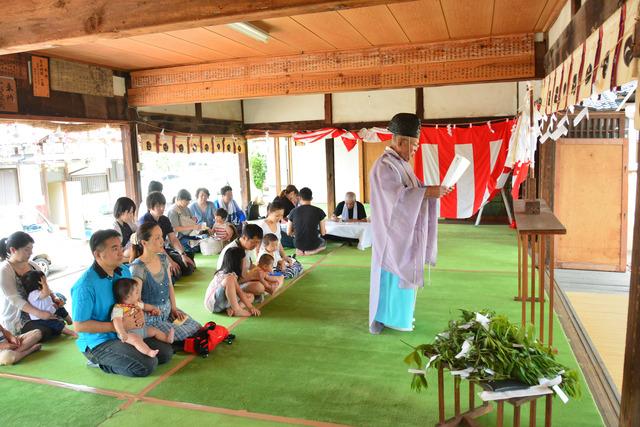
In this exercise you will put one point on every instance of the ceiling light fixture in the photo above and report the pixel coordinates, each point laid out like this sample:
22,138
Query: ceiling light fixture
250,31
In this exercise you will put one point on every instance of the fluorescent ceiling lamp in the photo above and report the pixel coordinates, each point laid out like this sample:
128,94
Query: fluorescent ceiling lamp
250,31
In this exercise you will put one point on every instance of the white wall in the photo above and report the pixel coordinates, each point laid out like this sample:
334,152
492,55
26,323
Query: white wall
372,106
560,24
347,172
178,110
225,110
310,169
475,100
523,100
284,109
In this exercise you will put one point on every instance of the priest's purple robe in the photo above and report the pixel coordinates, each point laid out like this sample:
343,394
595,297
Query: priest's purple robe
404,226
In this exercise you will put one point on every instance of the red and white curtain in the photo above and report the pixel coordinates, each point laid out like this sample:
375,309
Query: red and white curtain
349,138
485,146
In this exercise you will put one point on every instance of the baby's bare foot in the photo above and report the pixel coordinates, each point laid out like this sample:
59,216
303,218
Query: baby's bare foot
152,353
171,335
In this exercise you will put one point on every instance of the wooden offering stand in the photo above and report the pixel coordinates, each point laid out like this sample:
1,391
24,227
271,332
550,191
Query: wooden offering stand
534,230
468,418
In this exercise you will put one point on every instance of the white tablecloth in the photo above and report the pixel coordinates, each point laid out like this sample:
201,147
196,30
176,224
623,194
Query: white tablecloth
352,230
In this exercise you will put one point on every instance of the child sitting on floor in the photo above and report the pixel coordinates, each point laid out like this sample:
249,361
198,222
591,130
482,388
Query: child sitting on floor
222,232
127,295
40,296
269,278
271,246
225,293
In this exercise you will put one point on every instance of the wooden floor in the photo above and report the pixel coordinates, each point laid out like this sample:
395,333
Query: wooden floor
601,301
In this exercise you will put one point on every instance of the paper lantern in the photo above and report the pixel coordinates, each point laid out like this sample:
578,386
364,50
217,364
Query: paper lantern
239,146
207,144
624,72
149,142
229,145
577,71
166,144
591,48
218,145
195,144
181,144
610,33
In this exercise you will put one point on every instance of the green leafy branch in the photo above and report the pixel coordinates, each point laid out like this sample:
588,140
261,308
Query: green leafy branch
499,351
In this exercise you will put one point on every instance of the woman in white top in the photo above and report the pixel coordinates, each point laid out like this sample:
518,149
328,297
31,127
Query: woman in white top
15,252
271,225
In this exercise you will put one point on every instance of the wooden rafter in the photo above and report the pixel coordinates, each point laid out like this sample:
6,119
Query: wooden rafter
42,24
487,59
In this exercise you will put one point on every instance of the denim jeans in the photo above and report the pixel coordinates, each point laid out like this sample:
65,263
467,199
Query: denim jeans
116,357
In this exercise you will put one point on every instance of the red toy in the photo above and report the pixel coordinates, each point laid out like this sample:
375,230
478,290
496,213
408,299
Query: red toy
207,338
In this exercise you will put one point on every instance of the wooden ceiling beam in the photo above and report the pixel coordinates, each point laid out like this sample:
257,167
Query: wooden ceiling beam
43,24
501,58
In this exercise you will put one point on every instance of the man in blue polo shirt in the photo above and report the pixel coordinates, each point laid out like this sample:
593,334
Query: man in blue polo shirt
93,299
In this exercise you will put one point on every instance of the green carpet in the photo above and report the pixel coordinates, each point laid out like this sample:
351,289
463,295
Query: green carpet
146,414
26,405
320,324
310,356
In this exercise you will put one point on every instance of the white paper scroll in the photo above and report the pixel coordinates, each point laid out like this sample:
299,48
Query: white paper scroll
457,168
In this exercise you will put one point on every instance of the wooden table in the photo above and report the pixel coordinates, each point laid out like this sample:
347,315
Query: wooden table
468,417
533,232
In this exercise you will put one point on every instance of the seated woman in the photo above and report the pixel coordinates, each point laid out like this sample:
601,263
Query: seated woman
151,270
180,261
349,210
124,212
202,208
15,348
15,309
225,293
184,223
271,225
304,222
226,202
288,198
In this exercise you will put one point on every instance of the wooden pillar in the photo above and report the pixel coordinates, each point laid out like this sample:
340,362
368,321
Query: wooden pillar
131,162
630,399
290,160
245,185
361,171
276,151
328,109
420,103
331,176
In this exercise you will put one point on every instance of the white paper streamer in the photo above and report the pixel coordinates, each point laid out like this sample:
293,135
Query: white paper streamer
563,121
417,371
483,320
559,132
466,347
554,384
463,373
465,326
489,371
581,115
553,118
431,359
572,108
443,335
544,137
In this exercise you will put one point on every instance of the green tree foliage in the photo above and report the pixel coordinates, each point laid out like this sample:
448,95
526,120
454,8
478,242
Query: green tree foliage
258,164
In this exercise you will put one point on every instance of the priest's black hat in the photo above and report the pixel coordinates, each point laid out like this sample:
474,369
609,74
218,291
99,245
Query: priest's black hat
405,124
